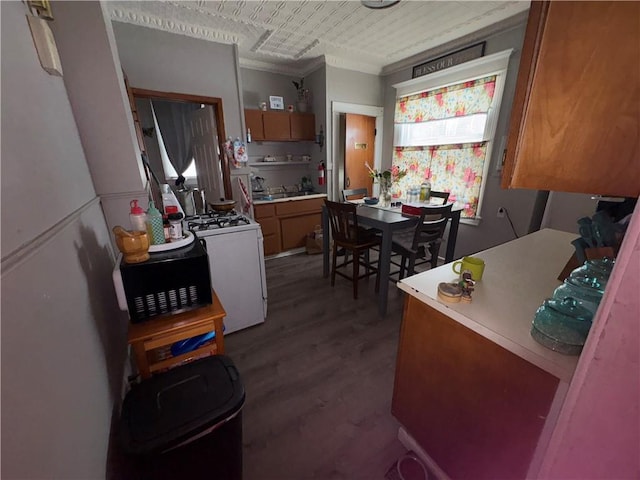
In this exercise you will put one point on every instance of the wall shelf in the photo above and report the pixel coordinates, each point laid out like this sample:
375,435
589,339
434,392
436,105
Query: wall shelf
277,164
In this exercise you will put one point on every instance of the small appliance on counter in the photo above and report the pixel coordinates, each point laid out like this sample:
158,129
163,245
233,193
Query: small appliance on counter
170,281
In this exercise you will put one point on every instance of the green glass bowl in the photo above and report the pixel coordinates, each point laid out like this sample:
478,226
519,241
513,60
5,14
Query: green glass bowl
562,325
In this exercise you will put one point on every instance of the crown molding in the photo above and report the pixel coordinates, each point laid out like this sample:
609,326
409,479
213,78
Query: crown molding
175,26
270,67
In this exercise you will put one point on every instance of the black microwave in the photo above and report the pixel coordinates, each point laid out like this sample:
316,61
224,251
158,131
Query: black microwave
171,281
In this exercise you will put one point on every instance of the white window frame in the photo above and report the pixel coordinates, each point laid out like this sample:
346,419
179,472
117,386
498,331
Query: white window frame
494,64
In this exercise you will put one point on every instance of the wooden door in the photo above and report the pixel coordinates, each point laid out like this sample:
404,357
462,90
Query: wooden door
253,119
204,141
360,136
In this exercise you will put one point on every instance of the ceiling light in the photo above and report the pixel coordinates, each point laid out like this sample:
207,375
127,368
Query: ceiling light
378,4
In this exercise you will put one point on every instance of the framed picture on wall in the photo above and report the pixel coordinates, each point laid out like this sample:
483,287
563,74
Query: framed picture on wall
276,103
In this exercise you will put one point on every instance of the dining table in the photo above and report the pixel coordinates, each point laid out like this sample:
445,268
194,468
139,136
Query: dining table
387,219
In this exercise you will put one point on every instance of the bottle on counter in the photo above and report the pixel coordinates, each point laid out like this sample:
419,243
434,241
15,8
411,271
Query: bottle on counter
154,225
175,226
425,191
137,217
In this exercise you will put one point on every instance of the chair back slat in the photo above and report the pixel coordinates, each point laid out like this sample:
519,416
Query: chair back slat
431,224
354,194
443,195
344,221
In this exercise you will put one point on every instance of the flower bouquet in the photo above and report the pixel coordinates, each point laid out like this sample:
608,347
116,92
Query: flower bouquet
385,179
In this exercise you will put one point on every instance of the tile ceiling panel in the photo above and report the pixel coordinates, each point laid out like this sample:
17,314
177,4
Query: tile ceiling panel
292,34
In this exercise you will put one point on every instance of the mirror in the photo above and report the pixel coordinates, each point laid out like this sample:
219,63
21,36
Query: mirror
191,126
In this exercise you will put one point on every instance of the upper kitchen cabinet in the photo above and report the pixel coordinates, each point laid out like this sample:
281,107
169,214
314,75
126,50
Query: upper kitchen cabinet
575,118
253,119
303,126
280,126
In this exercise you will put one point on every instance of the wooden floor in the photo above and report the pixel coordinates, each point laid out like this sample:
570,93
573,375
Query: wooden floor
319,378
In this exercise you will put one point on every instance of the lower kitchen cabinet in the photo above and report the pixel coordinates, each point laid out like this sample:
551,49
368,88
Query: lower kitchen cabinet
285,225
473,388
297,219
475,408
266,217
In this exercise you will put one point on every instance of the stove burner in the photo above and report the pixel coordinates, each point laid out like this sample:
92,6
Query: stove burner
215,220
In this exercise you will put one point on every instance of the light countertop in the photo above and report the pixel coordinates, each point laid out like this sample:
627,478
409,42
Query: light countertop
518,276
289,199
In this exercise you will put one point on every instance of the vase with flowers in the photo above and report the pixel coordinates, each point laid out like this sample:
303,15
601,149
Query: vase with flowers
386,180
302,95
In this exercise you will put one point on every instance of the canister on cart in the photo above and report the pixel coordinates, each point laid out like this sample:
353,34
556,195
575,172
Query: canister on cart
175,226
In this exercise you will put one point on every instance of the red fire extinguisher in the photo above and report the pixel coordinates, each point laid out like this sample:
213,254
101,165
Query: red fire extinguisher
321,173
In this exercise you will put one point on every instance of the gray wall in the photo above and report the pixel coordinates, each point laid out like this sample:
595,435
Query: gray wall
166,62
519,203
63,338
354,87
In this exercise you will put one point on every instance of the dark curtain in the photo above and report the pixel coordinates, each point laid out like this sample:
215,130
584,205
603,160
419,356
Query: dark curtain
173,120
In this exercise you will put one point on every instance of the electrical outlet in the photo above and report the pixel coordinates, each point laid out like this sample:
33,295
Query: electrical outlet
501,212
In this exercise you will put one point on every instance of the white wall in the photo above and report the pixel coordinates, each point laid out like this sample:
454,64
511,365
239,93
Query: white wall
63,337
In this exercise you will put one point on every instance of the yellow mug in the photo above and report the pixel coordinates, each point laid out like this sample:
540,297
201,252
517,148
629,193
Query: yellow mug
469,264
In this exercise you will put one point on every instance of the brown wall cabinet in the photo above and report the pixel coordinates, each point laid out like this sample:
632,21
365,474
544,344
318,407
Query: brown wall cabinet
253,119
285,225
575,117
280,126
475,408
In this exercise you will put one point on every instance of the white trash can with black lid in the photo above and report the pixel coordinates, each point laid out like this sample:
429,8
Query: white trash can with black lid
186,422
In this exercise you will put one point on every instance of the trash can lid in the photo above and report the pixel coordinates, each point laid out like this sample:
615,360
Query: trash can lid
173,406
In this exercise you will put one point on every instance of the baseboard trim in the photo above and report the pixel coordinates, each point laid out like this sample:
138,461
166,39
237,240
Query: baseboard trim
288,253
410,444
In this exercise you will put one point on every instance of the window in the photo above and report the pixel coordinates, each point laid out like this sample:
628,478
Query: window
444,128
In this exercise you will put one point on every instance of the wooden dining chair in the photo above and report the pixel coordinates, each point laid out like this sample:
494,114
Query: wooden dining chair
443,195
347,235
426,237
354,194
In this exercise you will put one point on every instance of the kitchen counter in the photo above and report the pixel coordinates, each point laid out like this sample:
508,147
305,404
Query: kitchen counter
301,196
476,395
518,276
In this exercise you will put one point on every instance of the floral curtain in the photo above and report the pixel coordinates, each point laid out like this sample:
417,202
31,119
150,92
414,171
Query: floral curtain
456,169
458,100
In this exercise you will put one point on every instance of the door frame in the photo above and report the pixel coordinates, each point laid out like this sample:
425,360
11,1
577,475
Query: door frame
218,114
335,169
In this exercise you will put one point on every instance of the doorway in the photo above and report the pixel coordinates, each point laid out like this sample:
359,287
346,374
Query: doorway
336,166
359,149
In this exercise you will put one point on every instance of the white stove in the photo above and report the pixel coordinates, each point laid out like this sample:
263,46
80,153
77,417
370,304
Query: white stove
236,262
